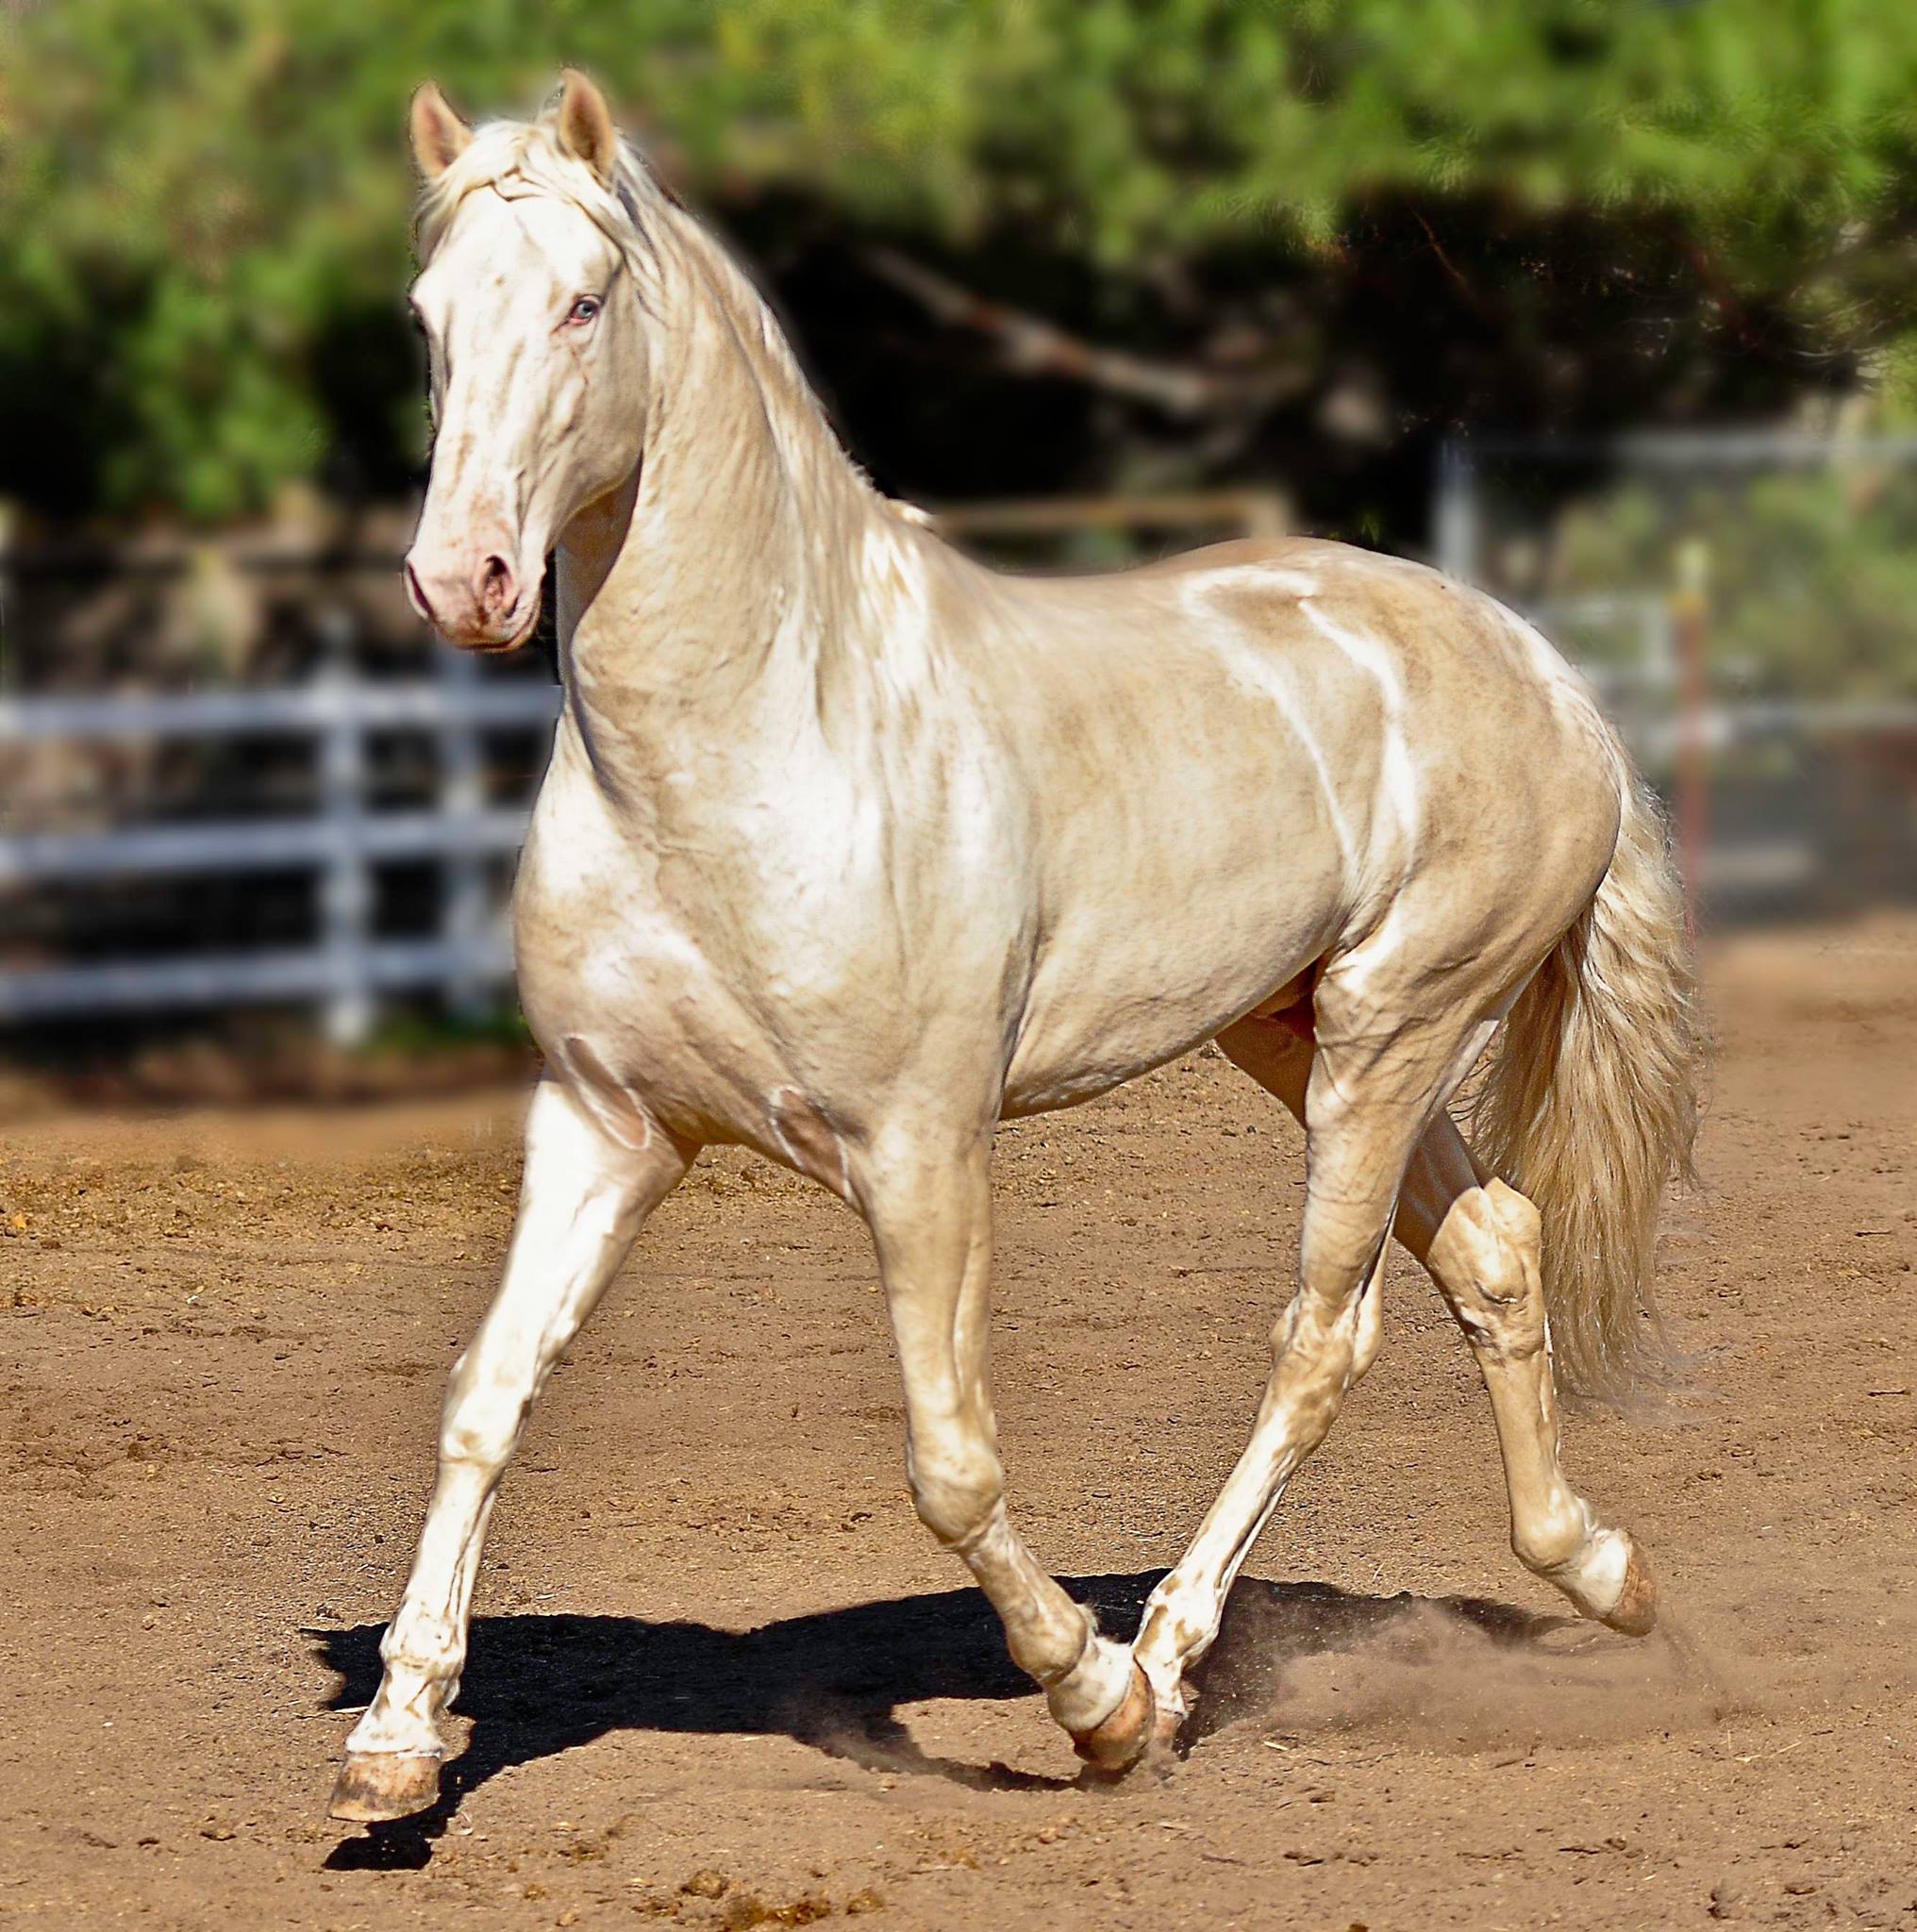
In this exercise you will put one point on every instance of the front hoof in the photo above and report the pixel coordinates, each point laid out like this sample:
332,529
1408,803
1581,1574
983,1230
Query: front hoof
1635,1613
1120,1742
374,1786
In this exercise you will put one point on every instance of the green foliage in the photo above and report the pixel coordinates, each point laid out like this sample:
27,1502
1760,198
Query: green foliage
1812,573
203,202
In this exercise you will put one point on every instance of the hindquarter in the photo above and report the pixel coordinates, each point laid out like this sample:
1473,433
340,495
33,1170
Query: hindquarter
1298,756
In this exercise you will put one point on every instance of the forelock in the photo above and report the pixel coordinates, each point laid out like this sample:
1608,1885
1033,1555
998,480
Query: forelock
522,159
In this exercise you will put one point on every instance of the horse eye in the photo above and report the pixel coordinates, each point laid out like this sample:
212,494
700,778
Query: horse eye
584,309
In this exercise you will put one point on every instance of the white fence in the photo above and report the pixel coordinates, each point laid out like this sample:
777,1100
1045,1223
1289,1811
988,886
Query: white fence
1671,675
348,966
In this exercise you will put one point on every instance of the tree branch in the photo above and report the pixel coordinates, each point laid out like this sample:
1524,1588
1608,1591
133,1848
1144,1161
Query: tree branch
1033,346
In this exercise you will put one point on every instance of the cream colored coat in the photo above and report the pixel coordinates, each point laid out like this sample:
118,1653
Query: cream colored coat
850,847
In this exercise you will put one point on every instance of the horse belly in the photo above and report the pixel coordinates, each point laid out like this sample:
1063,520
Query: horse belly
1114,997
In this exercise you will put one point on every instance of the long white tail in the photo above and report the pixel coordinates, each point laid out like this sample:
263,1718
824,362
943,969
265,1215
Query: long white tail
1590,1106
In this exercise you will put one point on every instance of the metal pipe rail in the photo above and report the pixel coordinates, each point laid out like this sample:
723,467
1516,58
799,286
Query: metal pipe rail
348,966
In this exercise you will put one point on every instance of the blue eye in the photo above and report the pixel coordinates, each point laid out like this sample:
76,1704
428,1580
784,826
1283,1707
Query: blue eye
584,309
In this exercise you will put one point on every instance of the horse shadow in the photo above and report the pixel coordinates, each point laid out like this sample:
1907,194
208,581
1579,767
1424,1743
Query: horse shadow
535,1686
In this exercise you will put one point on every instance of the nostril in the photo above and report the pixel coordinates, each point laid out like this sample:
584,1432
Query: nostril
495,586
415,593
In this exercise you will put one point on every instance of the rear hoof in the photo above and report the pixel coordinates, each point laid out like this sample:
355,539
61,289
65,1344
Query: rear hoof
1166,1725
374,1786
1635,1613
1120,1742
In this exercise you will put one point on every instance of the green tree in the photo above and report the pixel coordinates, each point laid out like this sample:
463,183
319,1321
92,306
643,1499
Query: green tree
202,206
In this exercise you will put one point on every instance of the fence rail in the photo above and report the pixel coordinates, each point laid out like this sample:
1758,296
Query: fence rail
347,967
1777,800
211,979
232,846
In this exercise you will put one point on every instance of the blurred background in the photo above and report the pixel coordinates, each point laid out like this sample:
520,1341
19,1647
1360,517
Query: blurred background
1611,308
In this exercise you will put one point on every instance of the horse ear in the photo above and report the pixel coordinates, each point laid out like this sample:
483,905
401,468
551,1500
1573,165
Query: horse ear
586,130
438,135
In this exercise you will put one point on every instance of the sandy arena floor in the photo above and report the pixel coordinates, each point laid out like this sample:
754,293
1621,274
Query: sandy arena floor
720,1676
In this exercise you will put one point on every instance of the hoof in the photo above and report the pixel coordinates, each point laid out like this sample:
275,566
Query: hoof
374,1787
1166,1725
1120,1742
1635,1613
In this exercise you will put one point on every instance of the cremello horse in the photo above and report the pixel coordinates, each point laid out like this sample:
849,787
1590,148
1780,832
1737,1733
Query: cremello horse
850,848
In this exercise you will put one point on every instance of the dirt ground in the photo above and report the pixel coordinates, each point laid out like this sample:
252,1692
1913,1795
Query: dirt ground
722,1677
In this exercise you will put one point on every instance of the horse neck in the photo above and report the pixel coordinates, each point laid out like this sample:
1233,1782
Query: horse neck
713,587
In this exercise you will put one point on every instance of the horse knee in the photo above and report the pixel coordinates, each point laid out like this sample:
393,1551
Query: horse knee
1320,1348
480,1421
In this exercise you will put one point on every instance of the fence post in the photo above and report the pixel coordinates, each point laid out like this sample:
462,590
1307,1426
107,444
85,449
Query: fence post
465,905
1265,513
8,641
346,881
1690,611
1455,521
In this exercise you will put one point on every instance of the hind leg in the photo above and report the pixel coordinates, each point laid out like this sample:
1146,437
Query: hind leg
1479,1239
1365,1108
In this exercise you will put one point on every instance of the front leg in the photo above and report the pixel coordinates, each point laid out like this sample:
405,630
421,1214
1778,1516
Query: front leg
930,1214
583,1199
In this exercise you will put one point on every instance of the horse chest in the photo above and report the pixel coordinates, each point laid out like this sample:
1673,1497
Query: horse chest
643,980
616,984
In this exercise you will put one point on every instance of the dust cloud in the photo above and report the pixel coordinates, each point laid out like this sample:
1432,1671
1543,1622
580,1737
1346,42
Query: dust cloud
1456,1673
